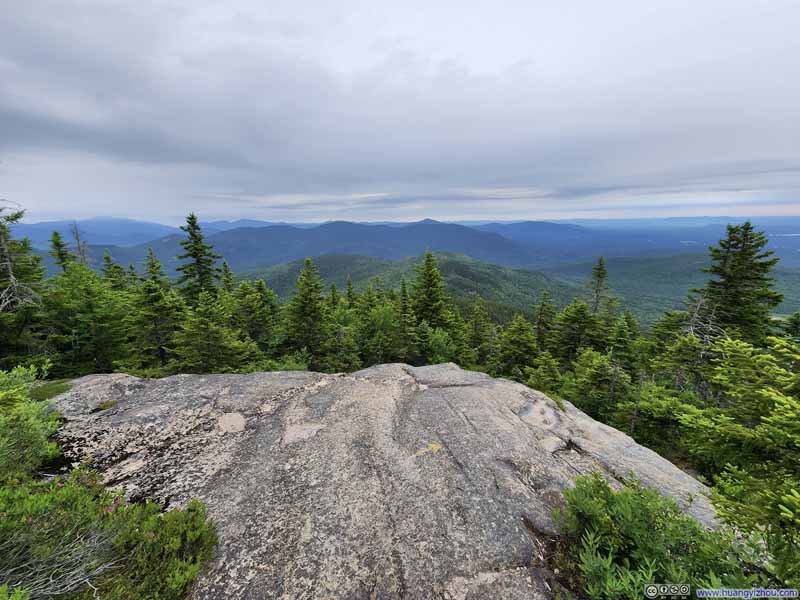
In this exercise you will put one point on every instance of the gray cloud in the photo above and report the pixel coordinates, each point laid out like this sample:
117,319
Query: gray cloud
355,110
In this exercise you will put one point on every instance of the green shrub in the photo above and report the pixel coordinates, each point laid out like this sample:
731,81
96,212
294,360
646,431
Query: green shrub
16,594
614,542
59,535
25,426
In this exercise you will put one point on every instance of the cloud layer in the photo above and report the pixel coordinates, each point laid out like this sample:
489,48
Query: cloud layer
318,110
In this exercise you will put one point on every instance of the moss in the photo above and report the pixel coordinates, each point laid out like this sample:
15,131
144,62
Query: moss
49,389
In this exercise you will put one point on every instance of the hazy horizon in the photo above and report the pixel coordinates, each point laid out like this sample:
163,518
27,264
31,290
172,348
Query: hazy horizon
395,112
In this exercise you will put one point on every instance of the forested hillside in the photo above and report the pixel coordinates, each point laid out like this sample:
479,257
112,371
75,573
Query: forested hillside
505,290
714,386
654,284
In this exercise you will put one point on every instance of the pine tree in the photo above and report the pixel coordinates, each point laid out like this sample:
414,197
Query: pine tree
791,326
305,314
596,384
544,316
544,375
200,272
740,293
157,317
226,277
205,344
516,350
333,297
341,347
598,285
60,251
575,328
407,337
350,295
254,312
479,331
620,345
84,318
114,273
430,300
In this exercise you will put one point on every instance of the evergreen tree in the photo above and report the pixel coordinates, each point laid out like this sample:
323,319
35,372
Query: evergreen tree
341,347
84,318
457,329
479,331
791,326
226,277
350,295
516,350
60,251
430,300
21,289
544,375
407,339
598,285
200,272
621,345
205,344
596,385
333,297
305,314
544,316
254,312
133,278
157,316
114,273
21,272
378,333
575,328
740,293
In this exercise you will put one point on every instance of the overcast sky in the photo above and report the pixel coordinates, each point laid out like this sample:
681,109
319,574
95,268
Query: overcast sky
374,110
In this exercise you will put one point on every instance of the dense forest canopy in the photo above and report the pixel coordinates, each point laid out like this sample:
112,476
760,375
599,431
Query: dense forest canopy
714,387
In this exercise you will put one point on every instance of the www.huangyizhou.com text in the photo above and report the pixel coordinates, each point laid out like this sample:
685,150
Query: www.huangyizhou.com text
746,593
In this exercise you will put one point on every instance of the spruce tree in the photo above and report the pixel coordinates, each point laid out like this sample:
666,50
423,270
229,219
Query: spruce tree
479,331
84,319
333,297
407,337
350,295
305,314
205,343
157,316
575,327
791,326
60,251
544,375
341,347
740,293
516,350
430,300
114,273
200,272
255,313
544,316
226,277
598,285
21,289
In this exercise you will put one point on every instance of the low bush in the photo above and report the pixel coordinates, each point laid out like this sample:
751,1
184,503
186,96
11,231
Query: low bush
614,542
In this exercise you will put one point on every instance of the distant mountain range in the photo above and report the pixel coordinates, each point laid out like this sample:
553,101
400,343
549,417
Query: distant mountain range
651,265
101,230
248,244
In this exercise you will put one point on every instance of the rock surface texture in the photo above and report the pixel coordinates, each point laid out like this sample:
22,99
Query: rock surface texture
392,482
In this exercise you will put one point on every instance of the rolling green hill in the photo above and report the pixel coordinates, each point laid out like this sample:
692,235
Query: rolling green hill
506,290
650,285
